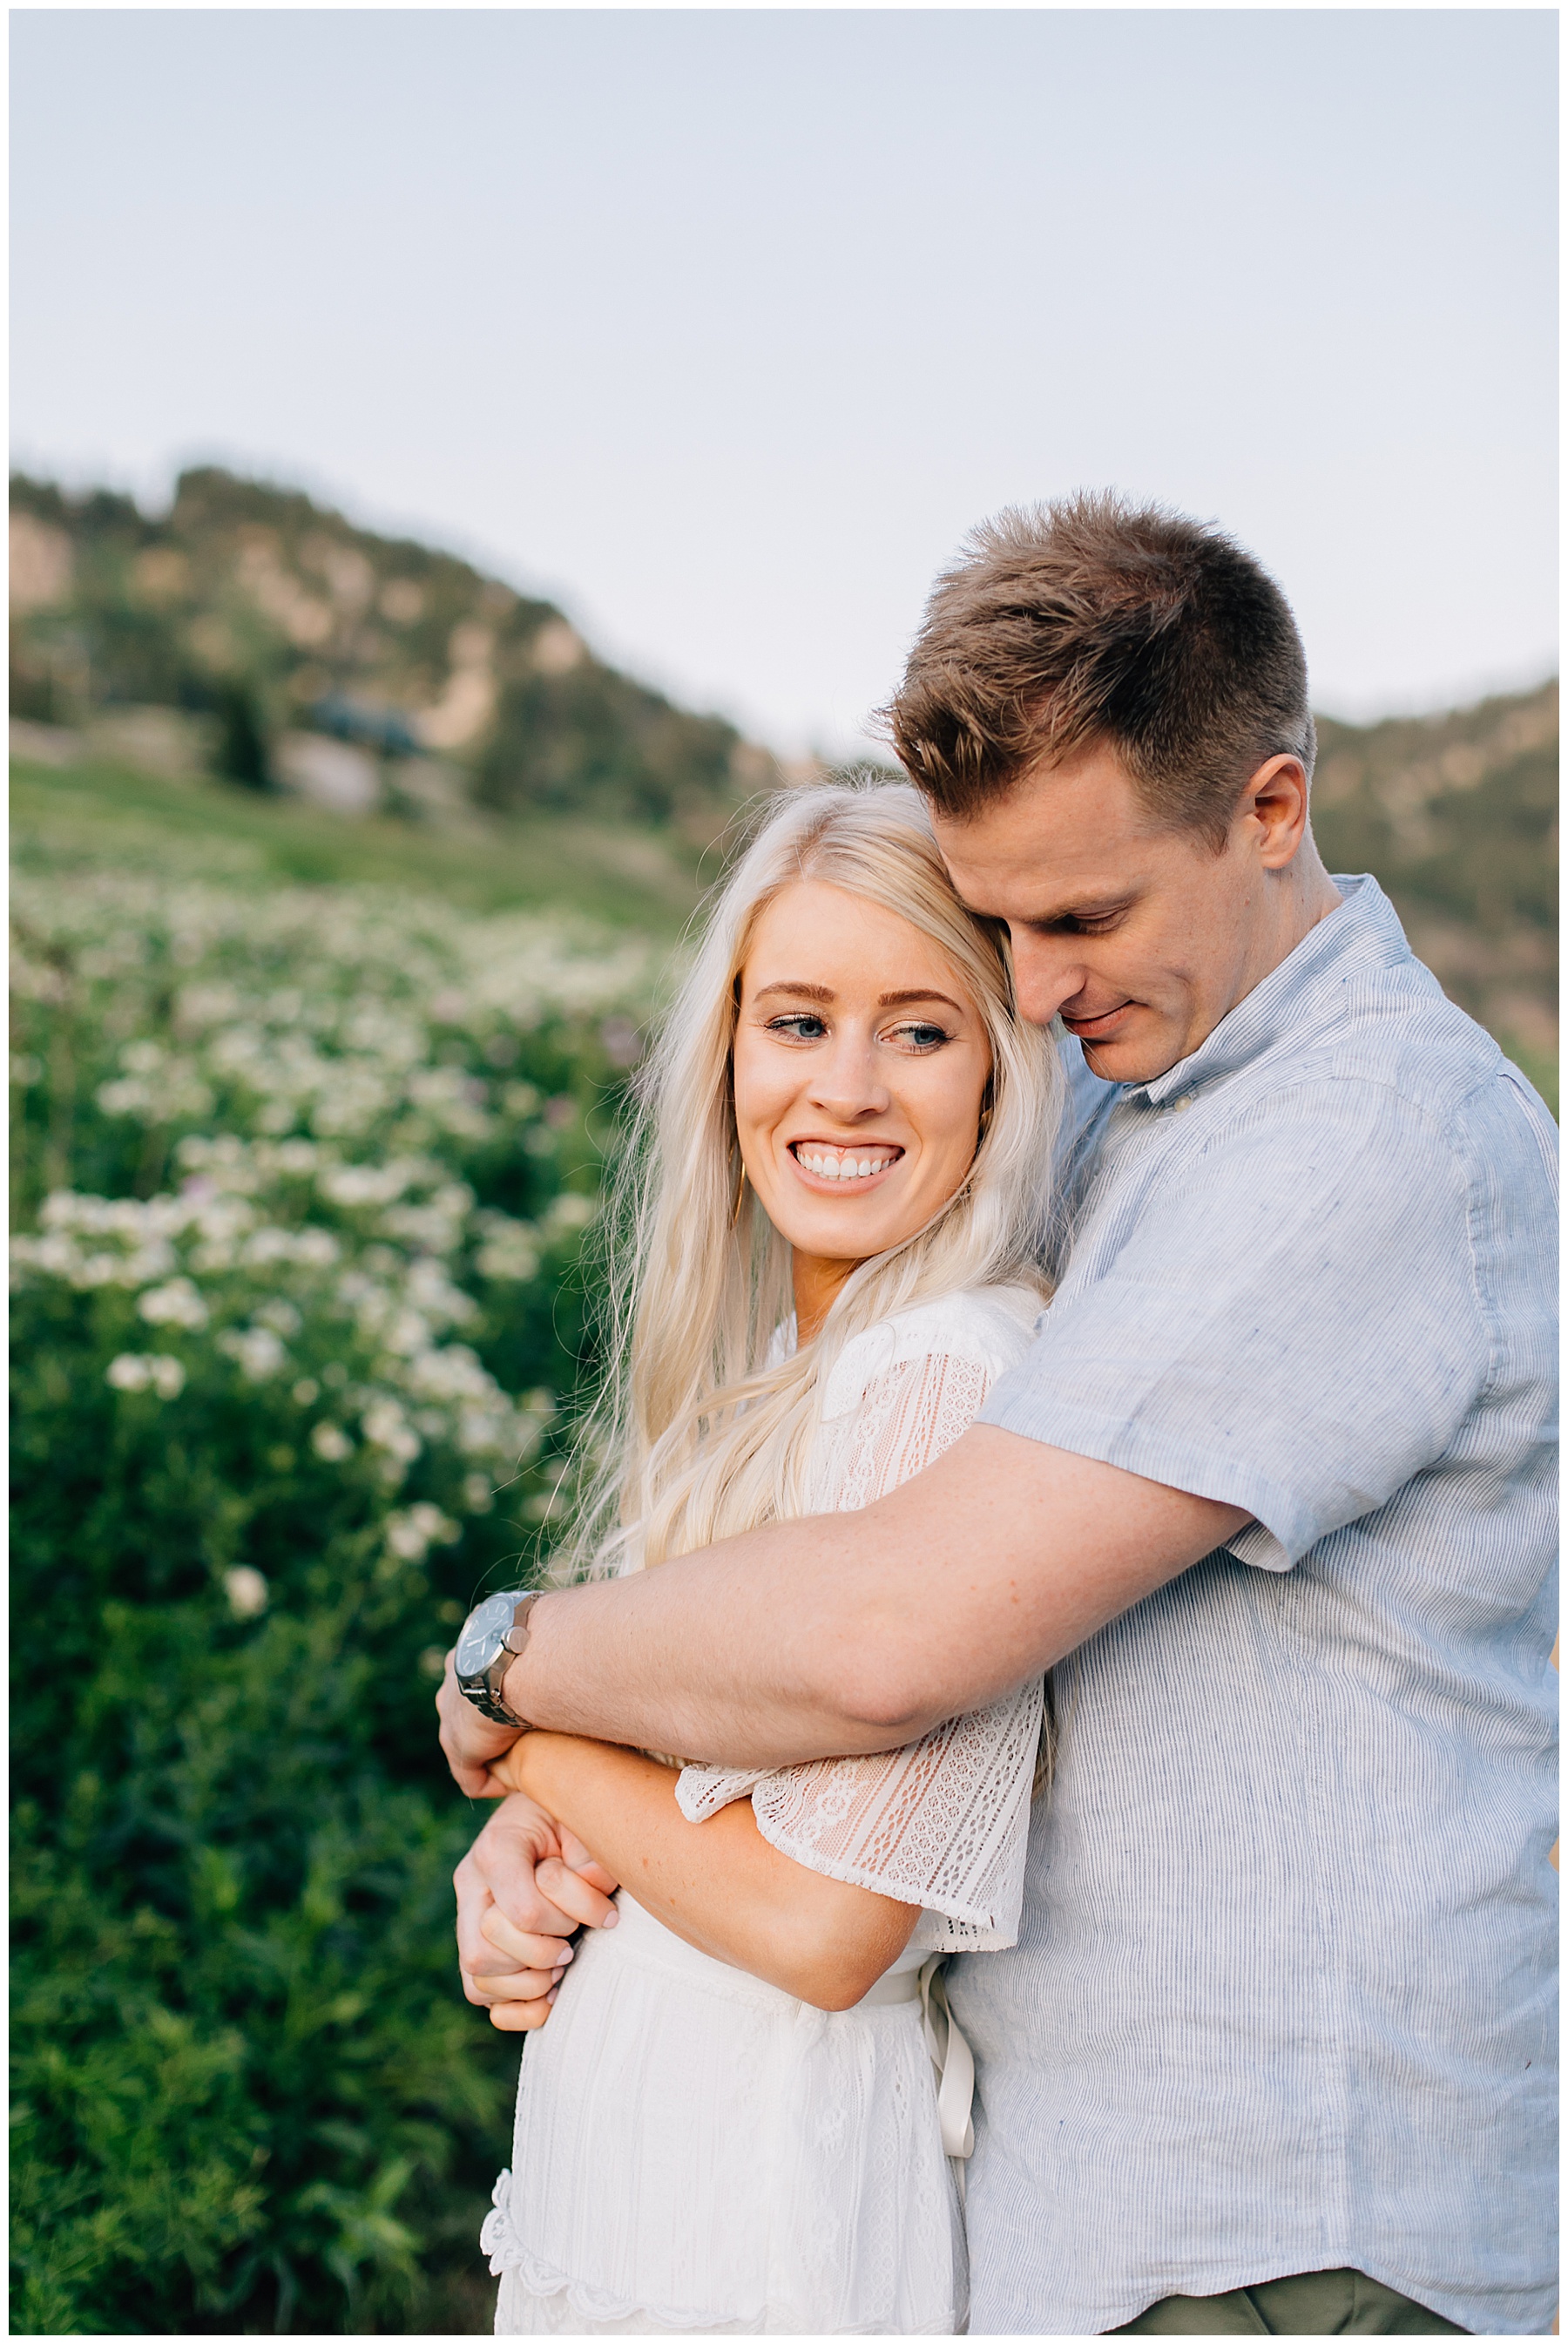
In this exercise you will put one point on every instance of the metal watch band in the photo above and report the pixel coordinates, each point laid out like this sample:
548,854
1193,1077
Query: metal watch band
490,1703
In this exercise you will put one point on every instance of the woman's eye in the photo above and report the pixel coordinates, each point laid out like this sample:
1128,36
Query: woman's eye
801,1026
922,1035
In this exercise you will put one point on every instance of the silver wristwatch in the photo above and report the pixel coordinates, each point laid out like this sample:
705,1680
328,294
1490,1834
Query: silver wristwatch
493,1633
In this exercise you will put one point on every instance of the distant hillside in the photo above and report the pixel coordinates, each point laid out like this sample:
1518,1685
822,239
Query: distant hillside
1457,817
255,633
355,667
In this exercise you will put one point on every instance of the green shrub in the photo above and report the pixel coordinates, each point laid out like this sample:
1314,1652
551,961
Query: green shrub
302,1179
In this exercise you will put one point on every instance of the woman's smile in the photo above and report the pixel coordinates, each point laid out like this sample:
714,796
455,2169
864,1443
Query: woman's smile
833,1164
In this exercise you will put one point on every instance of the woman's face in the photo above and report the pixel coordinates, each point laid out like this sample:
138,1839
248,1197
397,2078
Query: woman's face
860,1064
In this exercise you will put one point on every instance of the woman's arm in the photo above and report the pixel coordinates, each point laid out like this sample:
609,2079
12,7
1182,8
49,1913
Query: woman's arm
718,1883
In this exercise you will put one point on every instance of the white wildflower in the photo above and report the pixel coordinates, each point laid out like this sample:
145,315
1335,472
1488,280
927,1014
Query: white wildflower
510,1249
207,1005
246,1590
387,1427
451,1372
478,1496
154,1371
430,1290
408,1335
331,1442
409,1534
257,1350
177,1304
568,1211
363,1184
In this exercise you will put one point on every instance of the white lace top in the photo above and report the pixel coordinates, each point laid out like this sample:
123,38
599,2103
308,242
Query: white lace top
944,1822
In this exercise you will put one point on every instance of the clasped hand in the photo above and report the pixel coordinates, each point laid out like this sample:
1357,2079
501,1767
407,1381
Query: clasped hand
524,1886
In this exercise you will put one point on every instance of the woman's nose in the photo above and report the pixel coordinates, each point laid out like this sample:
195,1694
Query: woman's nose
847,1082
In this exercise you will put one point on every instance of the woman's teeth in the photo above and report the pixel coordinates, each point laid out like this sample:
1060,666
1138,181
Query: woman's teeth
839,1164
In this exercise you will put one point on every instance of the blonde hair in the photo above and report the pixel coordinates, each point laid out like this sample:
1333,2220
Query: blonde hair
700,1429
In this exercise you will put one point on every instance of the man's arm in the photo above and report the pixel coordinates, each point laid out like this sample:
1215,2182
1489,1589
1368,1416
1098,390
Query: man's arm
529,1873
854,1631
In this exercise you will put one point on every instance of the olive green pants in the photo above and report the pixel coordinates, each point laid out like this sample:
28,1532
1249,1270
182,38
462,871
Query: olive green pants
1313,2303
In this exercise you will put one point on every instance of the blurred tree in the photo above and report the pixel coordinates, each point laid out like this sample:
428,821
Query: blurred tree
241,754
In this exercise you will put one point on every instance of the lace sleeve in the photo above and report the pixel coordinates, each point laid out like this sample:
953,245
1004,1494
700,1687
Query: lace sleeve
942,1823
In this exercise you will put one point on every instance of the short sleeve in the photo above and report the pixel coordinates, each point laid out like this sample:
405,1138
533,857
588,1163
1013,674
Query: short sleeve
944,1822
1291,1323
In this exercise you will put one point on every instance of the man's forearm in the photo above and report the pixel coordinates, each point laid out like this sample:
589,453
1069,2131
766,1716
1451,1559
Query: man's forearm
687,1658
860,1631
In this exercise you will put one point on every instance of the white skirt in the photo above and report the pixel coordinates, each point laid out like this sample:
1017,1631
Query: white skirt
697,2152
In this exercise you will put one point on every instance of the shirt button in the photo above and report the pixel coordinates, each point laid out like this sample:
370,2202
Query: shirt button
1179,1107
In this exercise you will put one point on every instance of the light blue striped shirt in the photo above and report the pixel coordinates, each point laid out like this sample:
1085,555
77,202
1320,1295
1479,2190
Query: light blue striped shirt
1284,1999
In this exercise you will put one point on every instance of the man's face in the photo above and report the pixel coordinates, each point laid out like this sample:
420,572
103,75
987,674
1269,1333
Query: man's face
1142,938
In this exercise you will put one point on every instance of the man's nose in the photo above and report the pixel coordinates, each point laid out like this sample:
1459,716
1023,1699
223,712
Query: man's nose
1047,974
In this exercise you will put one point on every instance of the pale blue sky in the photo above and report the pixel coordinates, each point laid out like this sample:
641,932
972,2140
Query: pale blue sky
722,327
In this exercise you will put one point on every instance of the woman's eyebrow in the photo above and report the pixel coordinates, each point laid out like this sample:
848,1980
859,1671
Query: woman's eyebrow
884,1000
920,992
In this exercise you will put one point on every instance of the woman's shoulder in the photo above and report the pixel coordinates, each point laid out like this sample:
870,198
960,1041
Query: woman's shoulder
992,1326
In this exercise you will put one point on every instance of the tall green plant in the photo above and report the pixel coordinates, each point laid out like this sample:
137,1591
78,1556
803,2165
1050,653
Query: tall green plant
303,1177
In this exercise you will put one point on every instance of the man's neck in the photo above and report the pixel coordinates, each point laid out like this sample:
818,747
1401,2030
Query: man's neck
1313,896
1300,899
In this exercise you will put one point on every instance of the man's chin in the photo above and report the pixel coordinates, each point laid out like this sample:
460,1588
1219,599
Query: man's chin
1130,1057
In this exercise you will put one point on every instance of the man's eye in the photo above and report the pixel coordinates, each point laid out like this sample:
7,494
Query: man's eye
802,1025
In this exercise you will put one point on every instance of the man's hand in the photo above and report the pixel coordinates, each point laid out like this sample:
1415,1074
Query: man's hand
522,1888
470,1740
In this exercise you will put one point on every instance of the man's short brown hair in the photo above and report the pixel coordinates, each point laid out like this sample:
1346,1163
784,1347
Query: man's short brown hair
1092,620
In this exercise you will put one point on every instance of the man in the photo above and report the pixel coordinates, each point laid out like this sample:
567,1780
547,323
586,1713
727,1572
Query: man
1272,1495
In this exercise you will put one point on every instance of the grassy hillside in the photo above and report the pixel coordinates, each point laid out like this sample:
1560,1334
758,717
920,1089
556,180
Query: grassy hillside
99,811
252,634
1457,817
281,624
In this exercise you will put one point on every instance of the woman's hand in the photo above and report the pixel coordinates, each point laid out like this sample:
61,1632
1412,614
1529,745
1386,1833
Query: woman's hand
523,1887
506,1770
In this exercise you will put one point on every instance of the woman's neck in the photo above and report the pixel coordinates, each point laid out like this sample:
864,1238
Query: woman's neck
818,1280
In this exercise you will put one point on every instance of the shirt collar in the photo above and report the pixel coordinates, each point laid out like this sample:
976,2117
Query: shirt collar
1364,927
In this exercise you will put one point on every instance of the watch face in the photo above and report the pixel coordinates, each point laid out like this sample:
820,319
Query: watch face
482,1633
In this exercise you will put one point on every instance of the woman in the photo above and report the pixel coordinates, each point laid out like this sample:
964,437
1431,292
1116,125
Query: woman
730,2124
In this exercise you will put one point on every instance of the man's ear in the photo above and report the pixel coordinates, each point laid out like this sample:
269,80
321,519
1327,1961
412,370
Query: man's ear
1275,799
